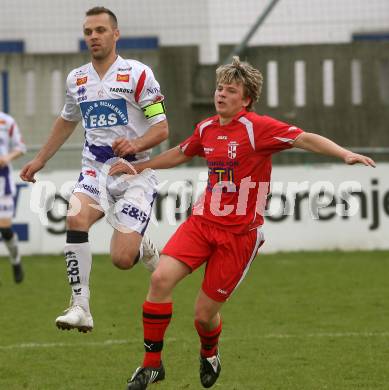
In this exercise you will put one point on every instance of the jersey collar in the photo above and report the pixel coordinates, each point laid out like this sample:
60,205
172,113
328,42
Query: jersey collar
241,113
113,66
236,117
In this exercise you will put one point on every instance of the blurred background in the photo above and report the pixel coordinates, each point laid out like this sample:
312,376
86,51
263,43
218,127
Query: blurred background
325,63
315,319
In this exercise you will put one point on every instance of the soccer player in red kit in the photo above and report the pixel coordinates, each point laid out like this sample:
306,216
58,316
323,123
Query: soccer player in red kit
224,230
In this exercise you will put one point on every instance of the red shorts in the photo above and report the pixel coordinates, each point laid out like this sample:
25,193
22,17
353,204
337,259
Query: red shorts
228,255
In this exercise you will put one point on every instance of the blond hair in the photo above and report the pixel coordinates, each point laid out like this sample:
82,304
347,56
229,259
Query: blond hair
242,73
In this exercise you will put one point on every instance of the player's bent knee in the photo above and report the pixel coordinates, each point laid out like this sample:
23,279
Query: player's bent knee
160,282
124,260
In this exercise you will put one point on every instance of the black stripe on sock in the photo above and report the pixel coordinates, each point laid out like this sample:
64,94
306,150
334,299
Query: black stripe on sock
76,237
6,233
153,346
157,316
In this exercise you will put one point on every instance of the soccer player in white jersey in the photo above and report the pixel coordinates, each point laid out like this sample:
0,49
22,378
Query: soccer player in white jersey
11,147
120,105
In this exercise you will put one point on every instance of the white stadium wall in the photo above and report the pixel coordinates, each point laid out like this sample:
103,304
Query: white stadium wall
300,230
54,26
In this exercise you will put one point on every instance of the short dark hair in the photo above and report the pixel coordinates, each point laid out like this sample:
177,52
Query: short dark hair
103,10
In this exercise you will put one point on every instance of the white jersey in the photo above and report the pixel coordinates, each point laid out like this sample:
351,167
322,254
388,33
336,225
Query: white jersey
125,103
10,140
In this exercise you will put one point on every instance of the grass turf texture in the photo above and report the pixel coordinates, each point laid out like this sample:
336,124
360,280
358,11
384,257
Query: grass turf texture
299,321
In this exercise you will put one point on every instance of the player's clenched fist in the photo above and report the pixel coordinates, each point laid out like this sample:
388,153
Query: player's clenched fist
30,169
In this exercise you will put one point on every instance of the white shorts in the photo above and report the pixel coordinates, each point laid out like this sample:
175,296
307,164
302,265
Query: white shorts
6,207
126,202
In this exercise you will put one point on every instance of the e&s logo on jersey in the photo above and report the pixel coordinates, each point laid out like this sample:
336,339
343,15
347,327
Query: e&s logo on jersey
104,113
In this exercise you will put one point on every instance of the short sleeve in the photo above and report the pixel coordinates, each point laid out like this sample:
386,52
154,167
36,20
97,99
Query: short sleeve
272,136
71,110
16,138
149,97
192,146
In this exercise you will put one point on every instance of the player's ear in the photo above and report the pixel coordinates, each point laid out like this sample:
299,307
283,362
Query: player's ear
246,101
116,34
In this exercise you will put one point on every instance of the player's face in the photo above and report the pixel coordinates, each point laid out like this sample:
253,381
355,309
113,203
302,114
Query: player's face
100,35
229,99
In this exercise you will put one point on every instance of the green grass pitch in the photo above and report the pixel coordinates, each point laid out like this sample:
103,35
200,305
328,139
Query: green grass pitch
302,321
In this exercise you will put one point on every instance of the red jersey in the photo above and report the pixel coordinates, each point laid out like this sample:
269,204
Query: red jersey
239,167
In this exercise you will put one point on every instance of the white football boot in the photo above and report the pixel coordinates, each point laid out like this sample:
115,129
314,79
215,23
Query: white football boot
150,257
75,317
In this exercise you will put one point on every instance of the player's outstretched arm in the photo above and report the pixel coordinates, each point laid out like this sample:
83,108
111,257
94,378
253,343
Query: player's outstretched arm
169,159
318,144
60,132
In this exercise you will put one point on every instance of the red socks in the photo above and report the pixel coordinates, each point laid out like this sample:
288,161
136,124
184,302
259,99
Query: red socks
156,318
209,340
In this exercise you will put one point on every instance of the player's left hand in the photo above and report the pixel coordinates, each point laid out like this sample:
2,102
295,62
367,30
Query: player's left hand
120,167
354,158
123,146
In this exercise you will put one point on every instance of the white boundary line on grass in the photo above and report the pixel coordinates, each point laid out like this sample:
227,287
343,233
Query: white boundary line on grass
328,335
120,342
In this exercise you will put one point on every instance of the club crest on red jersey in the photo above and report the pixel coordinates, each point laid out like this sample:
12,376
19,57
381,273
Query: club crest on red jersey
232,146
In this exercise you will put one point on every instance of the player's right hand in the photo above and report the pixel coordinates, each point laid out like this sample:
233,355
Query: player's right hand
30,169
